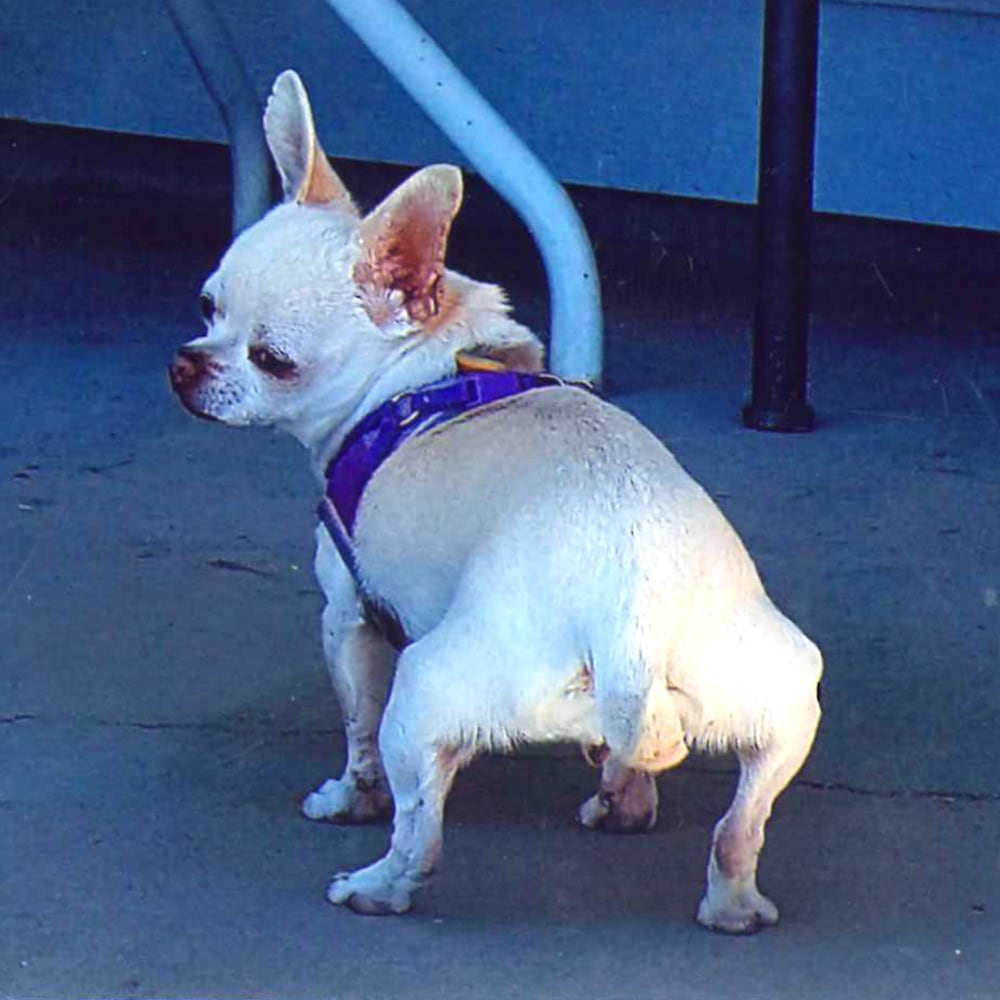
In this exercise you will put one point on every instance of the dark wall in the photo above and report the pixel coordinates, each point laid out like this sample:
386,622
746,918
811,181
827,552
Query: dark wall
644,95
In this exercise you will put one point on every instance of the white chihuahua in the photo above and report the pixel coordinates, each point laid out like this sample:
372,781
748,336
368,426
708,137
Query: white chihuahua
530,565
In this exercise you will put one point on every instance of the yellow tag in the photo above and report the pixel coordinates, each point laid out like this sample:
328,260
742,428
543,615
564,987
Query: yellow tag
475,363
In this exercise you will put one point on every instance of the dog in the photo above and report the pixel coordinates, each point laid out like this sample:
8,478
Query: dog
535,566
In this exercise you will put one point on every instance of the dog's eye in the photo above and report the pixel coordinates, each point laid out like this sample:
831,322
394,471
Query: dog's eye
207,306
268,360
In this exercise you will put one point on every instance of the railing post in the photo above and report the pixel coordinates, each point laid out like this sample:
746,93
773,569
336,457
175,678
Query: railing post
221,69
784,211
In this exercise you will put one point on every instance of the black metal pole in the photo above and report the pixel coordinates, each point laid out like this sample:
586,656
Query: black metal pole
784,210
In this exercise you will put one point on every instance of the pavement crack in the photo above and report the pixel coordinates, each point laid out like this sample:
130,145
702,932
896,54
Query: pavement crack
100,470
155,726
125,723
842,787
234,566
915,794
247,728
846,788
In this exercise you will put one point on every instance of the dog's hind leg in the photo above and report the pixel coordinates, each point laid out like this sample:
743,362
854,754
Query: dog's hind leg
625,802
422,747
360,664
732,902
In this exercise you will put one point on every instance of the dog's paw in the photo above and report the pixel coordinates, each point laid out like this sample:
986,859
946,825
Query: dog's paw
594,812
629,809
341,801
601,813
371,891
744,912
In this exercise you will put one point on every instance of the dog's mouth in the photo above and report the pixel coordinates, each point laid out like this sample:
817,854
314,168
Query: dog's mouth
189,404
186,374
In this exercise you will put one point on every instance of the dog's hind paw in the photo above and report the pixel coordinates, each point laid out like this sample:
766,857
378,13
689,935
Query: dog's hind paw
744,912
627,806
598,814
342,801
370,891
593,812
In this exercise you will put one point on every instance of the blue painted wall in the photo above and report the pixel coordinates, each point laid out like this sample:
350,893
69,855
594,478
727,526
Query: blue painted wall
649,95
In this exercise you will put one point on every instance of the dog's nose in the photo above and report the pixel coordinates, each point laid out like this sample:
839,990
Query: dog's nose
189,365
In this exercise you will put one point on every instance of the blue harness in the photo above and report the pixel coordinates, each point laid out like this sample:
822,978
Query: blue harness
404,416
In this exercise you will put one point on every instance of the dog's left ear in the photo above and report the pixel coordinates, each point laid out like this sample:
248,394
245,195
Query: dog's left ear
403,245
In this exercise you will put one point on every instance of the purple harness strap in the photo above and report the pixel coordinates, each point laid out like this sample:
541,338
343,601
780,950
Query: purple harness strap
404,416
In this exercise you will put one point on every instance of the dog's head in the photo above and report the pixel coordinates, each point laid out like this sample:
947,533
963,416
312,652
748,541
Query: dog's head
314,304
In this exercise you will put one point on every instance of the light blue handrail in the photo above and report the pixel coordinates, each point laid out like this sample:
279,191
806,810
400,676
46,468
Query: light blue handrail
505,162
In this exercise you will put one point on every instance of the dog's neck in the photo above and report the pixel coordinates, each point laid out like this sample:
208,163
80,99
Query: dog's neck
402,376
474,321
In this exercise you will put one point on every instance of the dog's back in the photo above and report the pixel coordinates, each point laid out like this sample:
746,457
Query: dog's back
559,521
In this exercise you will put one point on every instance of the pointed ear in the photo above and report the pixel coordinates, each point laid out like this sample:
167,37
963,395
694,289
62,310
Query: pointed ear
403,243
306,174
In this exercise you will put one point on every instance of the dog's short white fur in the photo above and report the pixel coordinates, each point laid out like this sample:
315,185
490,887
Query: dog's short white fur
558,574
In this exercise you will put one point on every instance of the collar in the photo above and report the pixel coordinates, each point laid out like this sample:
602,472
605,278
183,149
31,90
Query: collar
404,416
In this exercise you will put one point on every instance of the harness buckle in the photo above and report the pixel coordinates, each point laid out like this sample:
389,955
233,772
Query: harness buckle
405,408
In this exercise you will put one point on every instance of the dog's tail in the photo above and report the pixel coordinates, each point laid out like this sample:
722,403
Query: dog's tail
642,728
640,715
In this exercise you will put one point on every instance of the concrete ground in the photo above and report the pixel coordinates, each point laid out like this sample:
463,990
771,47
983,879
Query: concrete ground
164,704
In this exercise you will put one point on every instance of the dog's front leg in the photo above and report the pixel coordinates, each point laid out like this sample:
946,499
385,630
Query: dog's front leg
360,663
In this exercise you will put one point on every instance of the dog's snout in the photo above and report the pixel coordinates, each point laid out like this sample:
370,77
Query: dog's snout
190,373
188,366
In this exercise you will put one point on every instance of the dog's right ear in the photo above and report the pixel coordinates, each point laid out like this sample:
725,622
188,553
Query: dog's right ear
306,175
